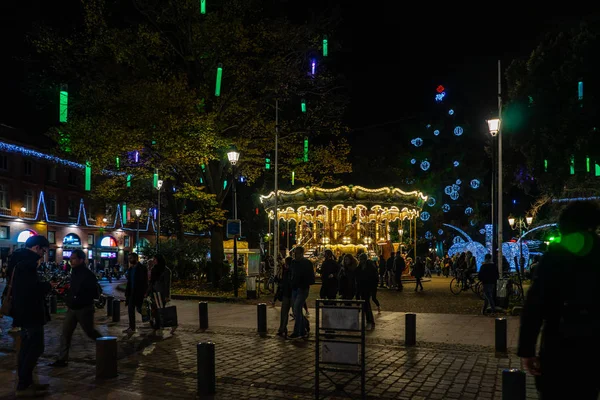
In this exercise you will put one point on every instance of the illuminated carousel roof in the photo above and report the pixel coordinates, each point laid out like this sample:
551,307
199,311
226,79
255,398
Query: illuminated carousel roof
345,196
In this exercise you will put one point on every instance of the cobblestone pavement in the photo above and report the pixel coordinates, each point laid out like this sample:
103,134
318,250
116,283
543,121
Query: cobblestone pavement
251,367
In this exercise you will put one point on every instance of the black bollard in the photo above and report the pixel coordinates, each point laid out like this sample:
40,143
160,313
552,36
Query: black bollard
203,314
206,368
262,318
106,357
410,330
501,326
513,385
116,314
109,306
53,305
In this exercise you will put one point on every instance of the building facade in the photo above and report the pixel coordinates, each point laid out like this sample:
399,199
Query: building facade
43,194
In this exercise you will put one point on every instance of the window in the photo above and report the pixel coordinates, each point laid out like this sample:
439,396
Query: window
73,208
28,203
72,177
51,173
3,162
126,239
51,204
52,237
4,197
4,233
90,239
27,167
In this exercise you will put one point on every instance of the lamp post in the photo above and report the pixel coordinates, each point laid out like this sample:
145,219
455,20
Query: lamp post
138,214
520,224
276,221
234,156
494,128
159,185
400,232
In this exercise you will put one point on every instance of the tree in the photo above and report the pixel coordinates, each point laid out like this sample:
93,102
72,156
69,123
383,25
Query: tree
553,133
144,83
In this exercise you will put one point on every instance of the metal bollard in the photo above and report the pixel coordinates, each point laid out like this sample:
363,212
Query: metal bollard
501,346
109,306
203,314
106,357
53,305
410,330
116,314
513,384
206,376
262,318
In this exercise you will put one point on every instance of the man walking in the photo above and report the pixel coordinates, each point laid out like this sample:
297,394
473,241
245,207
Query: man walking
137,286
80,302
488,275
303,275
29,311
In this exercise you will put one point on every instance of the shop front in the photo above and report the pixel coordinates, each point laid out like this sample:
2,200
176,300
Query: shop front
109,251
70,242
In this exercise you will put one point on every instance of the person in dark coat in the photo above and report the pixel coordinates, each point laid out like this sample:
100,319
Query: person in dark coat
488,275
329,276
285,292
137,286
347,277
29,311
563,304
303,276
366,284
399,266
418,273
389,270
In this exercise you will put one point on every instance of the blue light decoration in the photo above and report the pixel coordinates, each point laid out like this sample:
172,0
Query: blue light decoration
446,208
482,231
441,232
428,126
413,161
425,216
475,183
439,97
458,130
448,190
455,188
417,142
428,235
425,165
468,211
431,201
313,66
459,246
450,112
454,195
458,182
458,239
436,132
473,222
456,164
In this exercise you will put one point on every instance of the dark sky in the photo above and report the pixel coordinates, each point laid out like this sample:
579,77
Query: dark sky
392,57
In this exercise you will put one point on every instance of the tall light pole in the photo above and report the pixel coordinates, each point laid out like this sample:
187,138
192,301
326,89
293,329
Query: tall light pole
494,128
520,224
276,223
233,156
138,214
159,185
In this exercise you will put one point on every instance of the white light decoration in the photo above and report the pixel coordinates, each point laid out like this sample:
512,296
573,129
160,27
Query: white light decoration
493,126
425,165
425,216
138,212
417,142
456,164
446,208
468,211
450,112
428,126
458,182
475,184
413,161
458,131
23,236
436,132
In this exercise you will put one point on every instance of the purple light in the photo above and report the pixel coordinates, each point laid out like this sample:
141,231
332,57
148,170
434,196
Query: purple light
313,66
136,156
154,213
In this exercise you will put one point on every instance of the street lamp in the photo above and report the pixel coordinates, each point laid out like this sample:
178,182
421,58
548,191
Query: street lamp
400,232
520,224
494,129
234,156
159,185
138,214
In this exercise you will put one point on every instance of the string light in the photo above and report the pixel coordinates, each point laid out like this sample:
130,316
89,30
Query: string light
468,211
450,112
446,208
475,183
436,132
425,216
456,164
425,165
431,201
458,131
417,142
440,232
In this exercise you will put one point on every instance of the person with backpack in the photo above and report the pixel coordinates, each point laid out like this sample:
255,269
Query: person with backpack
80,303
563,304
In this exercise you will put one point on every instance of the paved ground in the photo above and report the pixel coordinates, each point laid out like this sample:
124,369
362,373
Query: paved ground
453,360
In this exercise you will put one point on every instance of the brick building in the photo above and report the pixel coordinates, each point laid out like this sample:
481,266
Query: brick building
44,194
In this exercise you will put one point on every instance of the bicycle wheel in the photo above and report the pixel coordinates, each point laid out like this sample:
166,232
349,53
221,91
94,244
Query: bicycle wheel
456,286
516,292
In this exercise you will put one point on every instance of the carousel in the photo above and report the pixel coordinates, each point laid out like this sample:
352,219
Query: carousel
346,219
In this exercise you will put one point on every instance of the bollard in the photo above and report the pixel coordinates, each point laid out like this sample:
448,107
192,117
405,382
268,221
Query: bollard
109,306
203,314
262,318
410,330
116,314
513,385
53,305
501,346
106,357
206,368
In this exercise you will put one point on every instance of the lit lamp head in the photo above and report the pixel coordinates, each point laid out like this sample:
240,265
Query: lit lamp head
23,209
233,155
138,212
159,184
400,232
511,221
529,220
493,126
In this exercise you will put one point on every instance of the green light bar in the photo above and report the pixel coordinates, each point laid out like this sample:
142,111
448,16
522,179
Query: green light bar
587,164
305,149
219,77
88,176
128,180
545,165
572,165
64,106
293,177
124,214
325,46
202,6
155,179
117,162
303,105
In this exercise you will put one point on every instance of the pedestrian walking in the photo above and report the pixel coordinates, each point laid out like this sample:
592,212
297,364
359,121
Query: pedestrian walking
137,286
80,306
488,275
303,276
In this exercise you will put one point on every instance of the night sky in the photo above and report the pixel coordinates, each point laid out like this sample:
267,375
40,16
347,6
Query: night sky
392,57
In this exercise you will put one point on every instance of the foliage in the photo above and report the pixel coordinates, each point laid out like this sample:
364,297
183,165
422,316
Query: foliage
184,258
545,120
143,80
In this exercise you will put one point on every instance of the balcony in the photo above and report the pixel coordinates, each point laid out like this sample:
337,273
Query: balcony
27,214
6,211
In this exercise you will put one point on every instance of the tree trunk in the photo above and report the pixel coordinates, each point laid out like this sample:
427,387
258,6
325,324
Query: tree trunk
217,254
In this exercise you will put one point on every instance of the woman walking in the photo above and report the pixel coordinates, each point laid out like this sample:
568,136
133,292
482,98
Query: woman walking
159,288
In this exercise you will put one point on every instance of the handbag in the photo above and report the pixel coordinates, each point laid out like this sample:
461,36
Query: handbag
167,316
6,307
